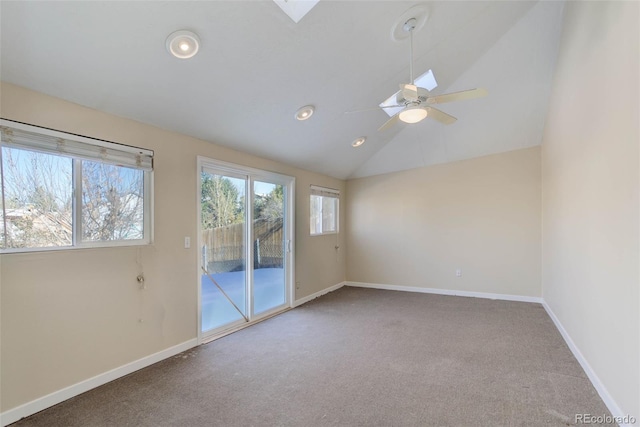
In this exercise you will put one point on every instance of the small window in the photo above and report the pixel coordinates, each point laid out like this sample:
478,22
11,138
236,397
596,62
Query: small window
325,210
63,191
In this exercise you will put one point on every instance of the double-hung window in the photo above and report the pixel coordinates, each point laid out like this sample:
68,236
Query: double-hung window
61,190
324,208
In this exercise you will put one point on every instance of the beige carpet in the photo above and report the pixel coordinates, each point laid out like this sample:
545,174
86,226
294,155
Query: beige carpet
358,357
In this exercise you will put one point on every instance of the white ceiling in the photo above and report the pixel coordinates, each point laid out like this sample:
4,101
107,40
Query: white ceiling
256,67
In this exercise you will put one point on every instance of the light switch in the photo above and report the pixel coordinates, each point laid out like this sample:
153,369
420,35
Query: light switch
187,242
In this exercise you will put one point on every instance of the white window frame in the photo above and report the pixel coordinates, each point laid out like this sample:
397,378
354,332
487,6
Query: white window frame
315,190
76,181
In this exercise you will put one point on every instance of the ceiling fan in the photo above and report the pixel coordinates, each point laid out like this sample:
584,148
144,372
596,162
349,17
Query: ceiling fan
415,102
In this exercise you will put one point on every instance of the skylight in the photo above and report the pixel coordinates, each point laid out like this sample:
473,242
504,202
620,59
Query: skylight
296,9
426,80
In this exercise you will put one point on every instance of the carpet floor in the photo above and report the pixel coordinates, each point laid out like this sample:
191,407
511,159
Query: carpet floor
358,357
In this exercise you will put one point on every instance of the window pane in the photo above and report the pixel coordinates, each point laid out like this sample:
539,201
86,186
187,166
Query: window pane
112,202
38,199
323,214
223,251
268,250
315,220
329,214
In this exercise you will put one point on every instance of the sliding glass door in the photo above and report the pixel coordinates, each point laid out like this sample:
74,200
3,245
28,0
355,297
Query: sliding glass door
224,258
245,242
269,246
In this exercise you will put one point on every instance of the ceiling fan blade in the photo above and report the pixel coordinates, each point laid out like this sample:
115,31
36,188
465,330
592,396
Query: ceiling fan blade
409,92
372,109
440,116
392,121
457,96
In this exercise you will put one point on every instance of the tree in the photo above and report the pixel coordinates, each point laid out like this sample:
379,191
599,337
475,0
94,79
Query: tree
112,202
221,202
269,206
38,193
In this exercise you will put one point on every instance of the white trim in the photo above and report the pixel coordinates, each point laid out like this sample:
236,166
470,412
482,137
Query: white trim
315,295
239,326
505,297
249,234
591,374
198,239
37,405
290,249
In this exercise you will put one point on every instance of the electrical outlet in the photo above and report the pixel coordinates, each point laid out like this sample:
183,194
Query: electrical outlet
187,242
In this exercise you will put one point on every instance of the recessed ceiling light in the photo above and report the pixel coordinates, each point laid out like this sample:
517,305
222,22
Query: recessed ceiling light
183,44
359,141
305,112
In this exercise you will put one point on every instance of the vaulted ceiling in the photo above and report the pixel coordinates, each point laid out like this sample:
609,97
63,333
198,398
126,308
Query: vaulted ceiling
256,67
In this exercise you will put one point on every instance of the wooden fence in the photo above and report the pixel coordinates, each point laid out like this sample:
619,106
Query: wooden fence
224,250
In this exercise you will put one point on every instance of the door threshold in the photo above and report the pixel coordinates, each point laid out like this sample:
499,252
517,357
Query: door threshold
242,326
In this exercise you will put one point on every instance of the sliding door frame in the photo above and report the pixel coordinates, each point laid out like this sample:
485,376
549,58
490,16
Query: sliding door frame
252,175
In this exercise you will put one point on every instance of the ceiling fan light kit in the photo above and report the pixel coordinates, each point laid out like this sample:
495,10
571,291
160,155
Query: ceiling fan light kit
413,114
305,112
183,44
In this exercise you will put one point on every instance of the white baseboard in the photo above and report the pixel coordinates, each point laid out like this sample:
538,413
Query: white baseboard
30,408
318,294
506,297
597,384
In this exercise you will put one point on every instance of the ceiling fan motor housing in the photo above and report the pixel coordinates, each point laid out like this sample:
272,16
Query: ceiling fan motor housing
410,94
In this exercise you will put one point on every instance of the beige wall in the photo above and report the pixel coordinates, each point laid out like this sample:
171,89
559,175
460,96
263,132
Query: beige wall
590,192
70,315
415,228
